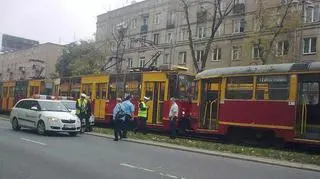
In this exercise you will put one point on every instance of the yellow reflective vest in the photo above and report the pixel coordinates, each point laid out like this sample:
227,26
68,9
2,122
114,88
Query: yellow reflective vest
143,110
82,107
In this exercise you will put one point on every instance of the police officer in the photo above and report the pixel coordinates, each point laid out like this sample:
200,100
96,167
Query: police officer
128,109
89,113
82,109
143,115
118,120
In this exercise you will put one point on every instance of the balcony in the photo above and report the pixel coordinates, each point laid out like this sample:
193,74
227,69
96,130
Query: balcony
144,29
239,8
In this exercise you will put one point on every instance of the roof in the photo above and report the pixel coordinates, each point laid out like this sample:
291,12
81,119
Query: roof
259,69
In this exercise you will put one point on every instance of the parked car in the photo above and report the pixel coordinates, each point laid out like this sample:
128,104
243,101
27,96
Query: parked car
44,116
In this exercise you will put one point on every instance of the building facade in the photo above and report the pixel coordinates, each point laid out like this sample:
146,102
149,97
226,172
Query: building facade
36,62
237,41
12,43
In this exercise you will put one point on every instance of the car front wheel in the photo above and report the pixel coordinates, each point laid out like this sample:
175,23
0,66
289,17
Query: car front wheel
15,124
41,128
73,133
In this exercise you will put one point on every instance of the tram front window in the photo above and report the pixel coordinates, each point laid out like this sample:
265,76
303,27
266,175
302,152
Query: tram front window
186,88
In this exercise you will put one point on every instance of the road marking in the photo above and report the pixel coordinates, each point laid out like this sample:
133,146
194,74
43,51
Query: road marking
135,167
152,171
33,141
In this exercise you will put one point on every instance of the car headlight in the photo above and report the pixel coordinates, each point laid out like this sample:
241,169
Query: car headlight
53,119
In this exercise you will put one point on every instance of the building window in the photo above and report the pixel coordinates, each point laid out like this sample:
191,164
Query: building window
182,58
216,54
238,25
132,42
142,62
199,55
236,53
134,23
309,45
201,32
256,51
156,39
143,38
220,30
282,48
169,37
184,34
129,63
145,20
156,19
170,18
311,14
166,59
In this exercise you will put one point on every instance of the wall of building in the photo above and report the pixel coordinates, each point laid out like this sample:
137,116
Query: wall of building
23,64
226,39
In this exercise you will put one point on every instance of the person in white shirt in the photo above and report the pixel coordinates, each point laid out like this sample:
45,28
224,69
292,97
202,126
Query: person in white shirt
173,117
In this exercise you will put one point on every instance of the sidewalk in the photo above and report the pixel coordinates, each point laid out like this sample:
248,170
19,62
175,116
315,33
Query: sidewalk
220,154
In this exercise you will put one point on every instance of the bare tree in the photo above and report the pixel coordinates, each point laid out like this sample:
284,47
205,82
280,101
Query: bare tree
271,23
218,12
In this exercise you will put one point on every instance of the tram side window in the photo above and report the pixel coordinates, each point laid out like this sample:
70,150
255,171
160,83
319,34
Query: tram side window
112,91
239,87
310,93
133,89
187,88
272,87
149,90
87,89
101,90
11,92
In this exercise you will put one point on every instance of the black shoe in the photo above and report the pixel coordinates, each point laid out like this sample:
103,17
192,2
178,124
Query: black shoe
115,139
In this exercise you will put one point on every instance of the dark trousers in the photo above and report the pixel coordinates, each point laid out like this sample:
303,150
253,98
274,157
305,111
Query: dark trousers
82,118
142,125
173,127
125,126
117,129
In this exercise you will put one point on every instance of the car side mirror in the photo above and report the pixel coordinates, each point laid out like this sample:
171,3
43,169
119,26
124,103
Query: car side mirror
34,108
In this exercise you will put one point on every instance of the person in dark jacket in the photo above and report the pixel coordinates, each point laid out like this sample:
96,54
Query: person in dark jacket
88,125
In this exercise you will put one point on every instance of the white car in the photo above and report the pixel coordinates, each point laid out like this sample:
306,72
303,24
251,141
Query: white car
44,116
71,105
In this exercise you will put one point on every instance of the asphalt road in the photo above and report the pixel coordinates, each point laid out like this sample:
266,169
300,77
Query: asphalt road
26,155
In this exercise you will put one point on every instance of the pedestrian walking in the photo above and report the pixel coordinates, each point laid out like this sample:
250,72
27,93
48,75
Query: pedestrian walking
173,117
82,109
128,108
118,119
142,116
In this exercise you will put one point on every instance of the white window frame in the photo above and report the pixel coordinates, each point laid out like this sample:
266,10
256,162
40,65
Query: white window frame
201,32
312,18
280,48
310,45
156,20
236,50
183,34
182,58
158,39
199,52
166,58
237,26
216,52
130,63
169,37
134,23
253,51
142,61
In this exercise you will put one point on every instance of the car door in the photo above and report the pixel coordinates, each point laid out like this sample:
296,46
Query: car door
20,110
32,115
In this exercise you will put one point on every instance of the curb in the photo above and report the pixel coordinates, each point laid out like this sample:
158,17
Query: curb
220,154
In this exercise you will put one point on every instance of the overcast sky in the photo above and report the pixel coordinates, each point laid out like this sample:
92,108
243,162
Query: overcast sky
57,21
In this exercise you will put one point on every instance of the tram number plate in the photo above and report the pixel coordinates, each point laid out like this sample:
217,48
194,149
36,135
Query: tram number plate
69,126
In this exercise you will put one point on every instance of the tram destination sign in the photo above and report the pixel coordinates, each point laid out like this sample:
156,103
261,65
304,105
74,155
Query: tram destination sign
273,79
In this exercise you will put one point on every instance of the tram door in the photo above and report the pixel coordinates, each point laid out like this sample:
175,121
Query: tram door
210,104
308,108
155,91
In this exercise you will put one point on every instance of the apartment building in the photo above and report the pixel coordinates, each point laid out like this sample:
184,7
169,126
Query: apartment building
236,42
36,62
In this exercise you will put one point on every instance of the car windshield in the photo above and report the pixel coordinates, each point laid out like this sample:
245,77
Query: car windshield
69,104
52,106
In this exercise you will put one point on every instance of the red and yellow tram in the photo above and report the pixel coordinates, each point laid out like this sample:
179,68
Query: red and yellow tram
266,101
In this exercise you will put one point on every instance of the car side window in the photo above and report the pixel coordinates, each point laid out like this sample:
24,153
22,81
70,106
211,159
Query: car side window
20,104
34,104
27,104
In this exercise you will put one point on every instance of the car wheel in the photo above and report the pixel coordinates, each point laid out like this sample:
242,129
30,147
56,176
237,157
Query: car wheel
73,133
41,128
15,124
